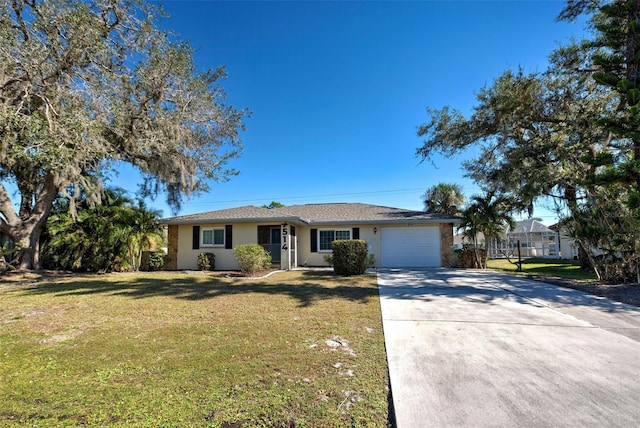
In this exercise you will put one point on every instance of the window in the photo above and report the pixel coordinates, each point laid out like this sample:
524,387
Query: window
213,237
326,237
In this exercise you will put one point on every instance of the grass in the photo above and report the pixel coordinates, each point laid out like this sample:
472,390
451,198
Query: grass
175,350
565,269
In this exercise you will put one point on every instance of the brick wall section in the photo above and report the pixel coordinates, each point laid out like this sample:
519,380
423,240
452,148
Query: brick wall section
446,244
172,248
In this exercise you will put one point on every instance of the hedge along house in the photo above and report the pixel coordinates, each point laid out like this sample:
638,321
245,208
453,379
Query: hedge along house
301,235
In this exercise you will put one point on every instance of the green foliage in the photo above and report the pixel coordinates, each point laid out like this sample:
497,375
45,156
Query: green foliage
89,84
328,258
206,261
618,62
569,133
156,260
273,204
489,215
252,258
444,198
7,252
99,238
371,260
349,256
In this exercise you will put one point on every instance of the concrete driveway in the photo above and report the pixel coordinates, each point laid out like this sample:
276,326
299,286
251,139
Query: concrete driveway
471,348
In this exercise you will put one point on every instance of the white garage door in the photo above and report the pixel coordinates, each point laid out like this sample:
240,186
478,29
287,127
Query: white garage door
410,247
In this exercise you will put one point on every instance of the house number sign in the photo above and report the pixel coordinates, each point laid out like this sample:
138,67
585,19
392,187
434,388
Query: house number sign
285,232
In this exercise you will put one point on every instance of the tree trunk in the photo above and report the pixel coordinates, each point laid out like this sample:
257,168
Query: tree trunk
25,228
476,254
586,259
30,254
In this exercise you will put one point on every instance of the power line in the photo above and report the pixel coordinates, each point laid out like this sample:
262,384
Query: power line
315,197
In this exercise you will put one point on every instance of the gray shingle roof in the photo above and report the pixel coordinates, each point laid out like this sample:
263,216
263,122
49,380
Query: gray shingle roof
315,214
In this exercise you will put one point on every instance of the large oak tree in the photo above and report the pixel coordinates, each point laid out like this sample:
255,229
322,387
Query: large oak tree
88,84
571,133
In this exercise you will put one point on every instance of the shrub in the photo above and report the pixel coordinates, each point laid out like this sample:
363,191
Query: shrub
206,261
328,259
349,257
156,260
371,260
252,258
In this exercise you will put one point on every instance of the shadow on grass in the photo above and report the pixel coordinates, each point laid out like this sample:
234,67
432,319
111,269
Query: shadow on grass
568,269
310,287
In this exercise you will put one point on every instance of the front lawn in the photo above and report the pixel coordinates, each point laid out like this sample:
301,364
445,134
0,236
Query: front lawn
566,269
296,349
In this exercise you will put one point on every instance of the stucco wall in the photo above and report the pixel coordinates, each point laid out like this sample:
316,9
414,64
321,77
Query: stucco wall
247,233
243,233
307,258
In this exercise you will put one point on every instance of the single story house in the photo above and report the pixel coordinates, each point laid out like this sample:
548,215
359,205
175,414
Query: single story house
536,240
301,235
569,246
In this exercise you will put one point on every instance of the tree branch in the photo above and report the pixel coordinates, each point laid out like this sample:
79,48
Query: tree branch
10,217
17,8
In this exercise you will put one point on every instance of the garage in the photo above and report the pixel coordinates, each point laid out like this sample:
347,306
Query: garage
410,247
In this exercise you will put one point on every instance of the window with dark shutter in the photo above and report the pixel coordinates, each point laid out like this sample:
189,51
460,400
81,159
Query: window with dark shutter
196,238
228,238
314,240
355,233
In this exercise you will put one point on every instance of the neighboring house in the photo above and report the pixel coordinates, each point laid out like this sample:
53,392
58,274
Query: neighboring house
301,235
536,240
460,240
569,246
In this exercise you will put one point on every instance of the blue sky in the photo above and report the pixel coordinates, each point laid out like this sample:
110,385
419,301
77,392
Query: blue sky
337,89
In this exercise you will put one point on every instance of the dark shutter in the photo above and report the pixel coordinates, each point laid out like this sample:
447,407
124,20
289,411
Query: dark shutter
355,233
228,237
196,238
314,240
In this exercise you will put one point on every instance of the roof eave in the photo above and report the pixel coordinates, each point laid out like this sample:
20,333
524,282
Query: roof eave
232,220
382,222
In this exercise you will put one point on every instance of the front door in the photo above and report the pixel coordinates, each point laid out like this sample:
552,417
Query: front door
275,235
275,244
270,238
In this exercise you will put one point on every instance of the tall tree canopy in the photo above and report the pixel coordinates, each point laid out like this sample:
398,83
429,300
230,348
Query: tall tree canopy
86,84
571,133
533,131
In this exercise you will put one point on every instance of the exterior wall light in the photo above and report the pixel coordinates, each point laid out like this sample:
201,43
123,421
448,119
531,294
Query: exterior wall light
375,230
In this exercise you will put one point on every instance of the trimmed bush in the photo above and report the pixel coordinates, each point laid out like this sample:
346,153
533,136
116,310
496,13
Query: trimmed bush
252,258
206,261
152,260
349,257
156,260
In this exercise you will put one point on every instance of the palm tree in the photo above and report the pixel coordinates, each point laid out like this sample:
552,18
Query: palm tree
471,228
145,232
489,214
104,237
444,198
